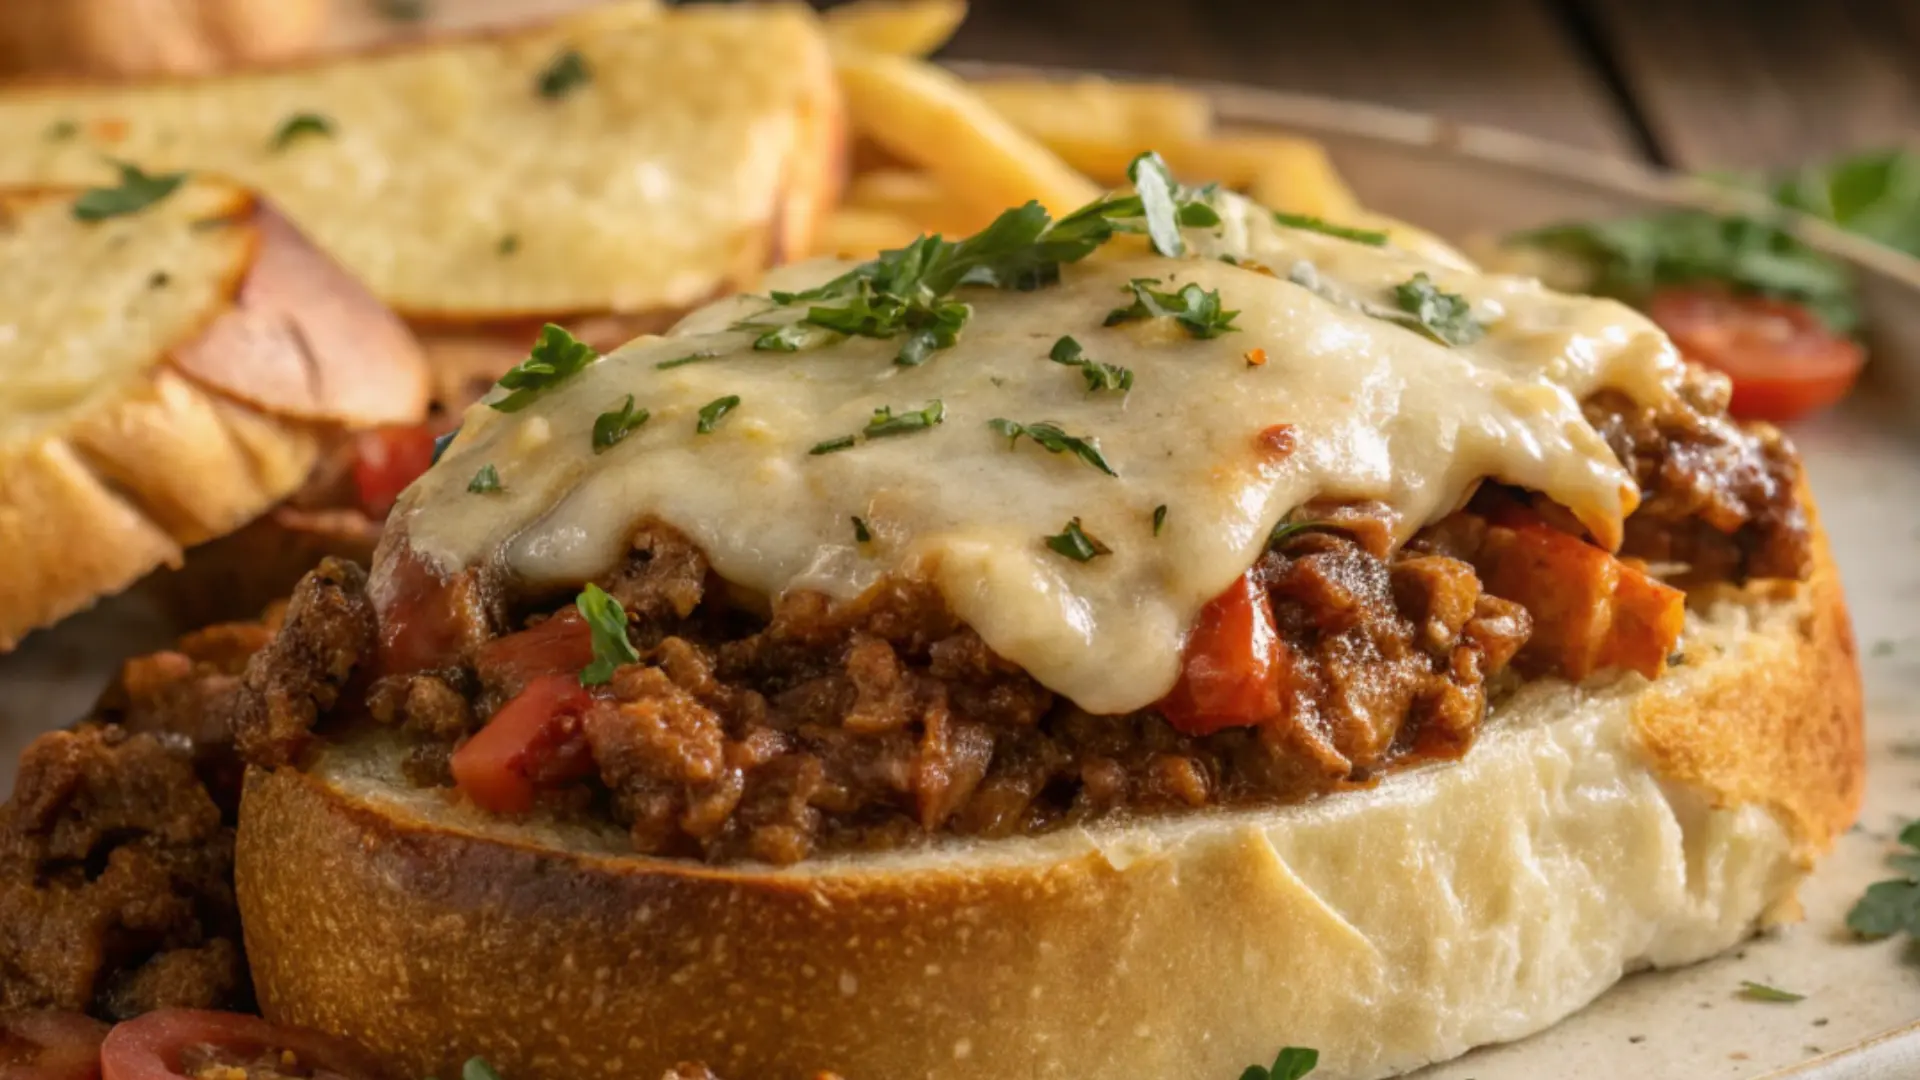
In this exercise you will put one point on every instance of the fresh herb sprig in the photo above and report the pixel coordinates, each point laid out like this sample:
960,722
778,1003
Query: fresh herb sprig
909,291
607,623
616,424
885,423
712,411
1443,316
484,482
1893,906
298,125
556,357
1196,310
1076,543
1099,376
1754,991
1050,437
136,191
1371,237
1293,1063
566,72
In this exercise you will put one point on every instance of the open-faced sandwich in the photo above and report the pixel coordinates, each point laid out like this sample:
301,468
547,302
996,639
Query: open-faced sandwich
1118,645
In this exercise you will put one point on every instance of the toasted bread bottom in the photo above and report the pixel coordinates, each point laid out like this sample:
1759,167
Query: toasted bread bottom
1590,832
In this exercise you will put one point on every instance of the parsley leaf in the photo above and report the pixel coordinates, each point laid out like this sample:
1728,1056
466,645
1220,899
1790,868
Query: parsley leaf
611,427
607,621
885,423
507,244
61,131
484,482
1159,518
861,534
1197,310
1293,1063
556,357
834,445
1155,186
1320,225
1054,440
1075,544
293,127
792,337
1284,531
1099,376
690,358
1445,317
564,74
136,191
1893,906
1762,992
712,411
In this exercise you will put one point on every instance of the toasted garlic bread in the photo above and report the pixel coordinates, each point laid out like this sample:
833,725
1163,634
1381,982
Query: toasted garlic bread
165,376
1591,831
595,165
153,37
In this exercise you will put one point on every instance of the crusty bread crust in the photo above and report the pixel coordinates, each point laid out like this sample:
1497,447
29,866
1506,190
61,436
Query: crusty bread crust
1591,831
216,427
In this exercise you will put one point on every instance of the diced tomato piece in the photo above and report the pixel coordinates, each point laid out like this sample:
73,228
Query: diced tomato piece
385,461
1590,610
1231,671
561,645
50,1045
173,1043
534,741
1783,360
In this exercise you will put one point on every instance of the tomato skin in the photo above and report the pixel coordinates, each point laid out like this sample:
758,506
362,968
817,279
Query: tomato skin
50,1045
532,742
153,1047
1230,674
1783,361
562,644
385,461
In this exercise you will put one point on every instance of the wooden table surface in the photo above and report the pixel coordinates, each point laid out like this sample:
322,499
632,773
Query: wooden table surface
1691,84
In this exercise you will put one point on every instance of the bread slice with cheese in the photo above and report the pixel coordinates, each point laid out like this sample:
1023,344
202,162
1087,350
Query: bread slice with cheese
618,163
167,373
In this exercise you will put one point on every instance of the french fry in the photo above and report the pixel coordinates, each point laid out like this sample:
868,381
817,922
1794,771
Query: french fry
896,27
854,233
932,119
1134,114
915,196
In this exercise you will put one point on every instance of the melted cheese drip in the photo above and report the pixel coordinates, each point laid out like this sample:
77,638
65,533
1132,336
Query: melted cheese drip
1378,412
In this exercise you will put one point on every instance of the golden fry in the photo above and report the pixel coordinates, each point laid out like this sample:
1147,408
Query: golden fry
896,27
932,119
854,233
915,196
1134,114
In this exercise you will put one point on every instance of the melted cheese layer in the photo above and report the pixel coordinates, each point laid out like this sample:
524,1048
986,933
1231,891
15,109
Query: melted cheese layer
1377,412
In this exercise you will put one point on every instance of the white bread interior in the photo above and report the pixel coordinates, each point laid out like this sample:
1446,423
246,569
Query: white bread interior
1591,831
165,376
702,147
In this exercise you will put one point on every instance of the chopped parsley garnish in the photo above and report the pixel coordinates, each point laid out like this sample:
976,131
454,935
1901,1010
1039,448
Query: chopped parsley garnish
789,338
563,75
1754,991
1893,906
611,427
1075,544
1197,310
508,244
1049,435
1446,317
62,130
1293,1063
861,533
484,482
690,358
556,357
909,291
1159,518
885,422
405,11
712,411
440,444
159,279
136,191
832,446
1287,530
607,621
1099,376
297,125
1321,225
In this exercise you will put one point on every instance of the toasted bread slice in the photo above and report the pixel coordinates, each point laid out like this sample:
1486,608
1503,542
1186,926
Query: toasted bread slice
153,37
167,375
1591,831
597,165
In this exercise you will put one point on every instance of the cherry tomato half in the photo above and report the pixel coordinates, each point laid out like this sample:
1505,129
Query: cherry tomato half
170,1044
385,461
532,742
1231,671
1783,360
